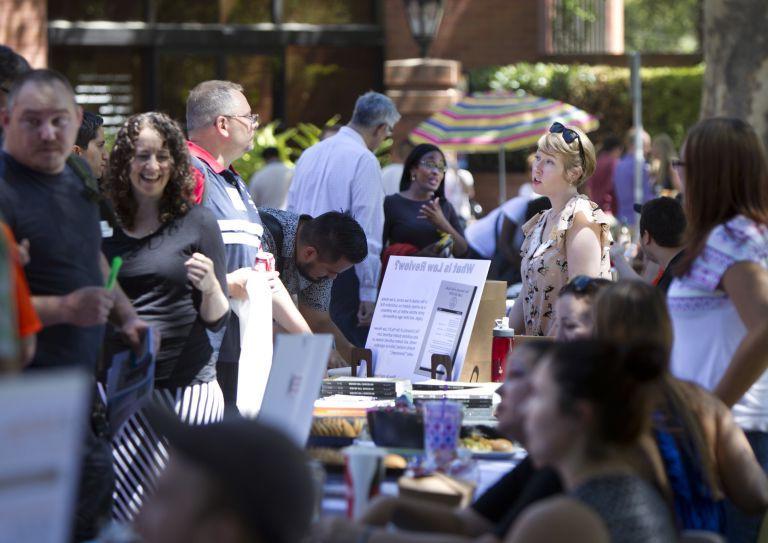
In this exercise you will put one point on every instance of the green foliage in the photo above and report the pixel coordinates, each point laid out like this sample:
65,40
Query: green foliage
671,96
663,26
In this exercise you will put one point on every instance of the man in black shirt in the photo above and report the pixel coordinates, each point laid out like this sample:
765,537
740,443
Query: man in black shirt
44,201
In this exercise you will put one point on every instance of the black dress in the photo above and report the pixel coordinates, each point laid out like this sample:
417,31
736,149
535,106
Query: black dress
154,278
403,225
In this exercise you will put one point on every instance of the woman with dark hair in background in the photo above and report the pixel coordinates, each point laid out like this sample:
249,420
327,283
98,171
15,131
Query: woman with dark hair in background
719,301
174,274
698,454
663,174
589,405
419,215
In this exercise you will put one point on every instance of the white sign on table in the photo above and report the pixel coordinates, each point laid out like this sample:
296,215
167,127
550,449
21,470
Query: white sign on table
42,419
426,306
295,378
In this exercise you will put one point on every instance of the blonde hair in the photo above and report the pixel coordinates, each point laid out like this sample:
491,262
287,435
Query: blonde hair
554,144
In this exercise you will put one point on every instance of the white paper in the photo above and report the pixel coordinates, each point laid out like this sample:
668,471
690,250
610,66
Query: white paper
255,315
294,383
42,419
425,306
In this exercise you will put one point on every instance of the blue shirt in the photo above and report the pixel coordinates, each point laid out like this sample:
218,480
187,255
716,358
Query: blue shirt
624,188
225,194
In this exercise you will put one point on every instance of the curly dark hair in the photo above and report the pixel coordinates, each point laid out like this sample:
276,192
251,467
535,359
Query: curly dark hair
177,196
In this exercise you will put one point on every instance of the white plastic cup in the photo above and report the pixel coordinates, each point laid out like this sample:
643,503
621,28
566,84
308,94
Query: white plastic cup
363,474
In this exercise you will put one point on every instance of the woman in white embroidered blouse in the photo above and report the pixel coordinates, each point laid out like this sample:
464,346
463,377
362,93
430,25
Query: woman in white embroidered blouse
568,240
719,301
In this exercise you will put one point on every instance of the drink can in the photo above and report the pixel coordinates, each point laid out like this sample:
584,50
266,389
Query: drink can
264,261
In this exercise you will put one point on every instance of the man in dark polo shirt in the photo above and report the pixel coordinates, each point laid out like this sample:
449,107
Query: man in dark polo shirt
220,125
44,201
309,254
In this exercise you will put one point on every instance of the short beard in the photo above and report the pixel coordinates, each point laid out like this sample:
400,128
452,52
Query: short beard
302,269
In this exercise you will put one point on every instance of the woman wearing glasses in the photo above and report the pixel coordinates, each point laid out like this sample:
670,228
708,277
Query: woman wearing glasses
719,301
174,274
419,215
570,239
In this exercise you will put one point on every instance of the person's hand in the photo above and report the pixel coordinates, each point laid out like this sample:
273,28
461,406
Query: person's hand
23,251
134,329
335,360
623,251
335,530
434,214
88,306
617,252
365,313
200,273
273,281
236,283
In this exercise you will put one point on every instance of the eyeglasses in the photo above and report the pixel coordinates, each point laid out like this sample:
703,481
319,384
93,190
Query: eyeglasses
428,164
677,163
253,118
569,135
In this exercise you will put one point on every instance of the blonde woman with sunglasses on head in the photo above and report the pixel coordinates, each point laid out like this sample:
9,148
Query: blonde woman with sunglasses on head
568,240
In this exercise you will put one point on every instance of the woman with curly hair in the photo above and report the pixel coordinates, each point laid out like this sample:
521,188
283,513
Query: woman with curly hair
174,273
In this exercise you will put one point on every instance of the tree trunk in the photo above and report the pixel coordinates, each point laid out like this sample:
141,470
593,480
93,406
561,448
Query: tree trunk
736,57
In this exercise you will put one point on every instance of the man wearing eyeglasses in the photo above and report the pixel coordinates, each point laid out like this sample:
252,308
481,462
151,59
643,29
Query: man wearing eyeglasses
221,125
342,174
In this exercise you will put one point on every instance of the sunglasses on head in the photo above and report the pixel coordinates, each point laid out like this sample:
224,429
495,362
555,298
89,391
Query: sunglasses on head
569,135
583,285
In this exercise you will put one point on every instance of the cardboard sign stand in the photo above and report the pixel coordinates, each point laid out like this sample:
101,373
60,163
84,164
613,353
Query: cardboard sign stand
446,362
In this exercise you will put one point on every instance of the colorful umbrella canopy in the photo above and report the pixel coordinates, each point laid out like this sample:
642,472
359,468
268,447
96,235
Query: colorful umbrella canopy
487,122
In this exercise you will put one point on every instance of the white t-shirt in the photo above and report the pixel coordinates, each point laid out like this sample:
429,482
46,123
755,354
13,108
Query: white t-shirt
707,327
482,234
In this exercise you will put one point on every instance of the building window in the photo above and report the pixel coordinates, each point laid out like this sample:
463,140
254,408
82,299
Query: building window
109,83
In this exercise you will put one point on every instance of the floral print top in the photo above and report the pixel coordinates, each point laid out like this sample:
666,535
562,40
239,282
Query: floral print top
545,263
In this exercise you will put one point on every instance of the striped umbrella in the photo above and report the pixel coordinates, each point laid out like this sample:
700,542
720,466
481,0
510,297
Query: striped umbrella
497,122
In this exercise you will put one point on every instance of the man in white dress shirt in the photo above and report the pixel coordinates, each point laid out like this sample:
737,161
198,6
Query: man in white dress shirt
342,174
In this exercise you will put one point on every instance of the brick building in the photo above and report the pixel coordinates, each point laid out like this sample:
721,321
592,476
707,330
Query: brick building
300,60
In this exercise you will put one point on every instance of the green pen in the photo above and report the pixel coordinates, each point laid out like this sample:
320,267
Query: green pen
113,271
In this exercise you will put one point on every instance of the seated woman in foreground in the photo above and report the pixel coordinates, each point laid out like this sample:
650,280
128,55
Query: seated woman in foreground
698,453
492,515
589,404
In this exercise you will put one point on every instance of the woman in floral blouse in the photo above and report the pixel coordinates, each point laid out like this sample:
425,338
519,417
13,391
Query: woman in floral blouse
570,239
